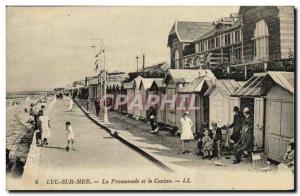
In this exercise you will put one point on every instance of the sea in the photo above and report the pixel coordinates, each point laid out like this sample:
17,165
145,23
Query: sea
16,117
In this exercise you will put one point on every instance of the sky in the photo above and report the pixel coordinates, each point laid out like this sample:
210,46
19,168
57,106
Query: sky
48,47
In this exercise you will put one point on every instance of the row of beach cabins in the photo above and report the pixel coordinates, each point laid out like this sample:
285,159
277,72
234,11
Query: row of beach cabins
268,95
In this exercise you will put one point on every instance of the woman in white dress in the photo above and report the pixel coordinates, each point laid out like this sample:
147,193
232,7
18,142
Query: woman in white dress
186,131
45,127
71,105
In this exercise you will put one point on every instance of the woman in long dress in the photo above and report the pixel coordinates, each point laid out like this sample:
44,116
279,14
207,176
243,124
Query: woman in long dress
45,127
186,131
71,105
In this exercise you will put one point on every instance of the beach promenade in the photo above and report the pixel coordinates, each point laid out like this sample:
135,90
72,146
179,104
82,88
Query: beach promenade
102,162
97,153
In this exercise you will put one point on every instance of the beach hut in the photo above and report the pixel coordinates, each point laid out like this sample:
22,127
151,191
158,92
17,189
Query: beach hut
136,100
279,122
251,95
123,97
159,89
197,99
221,103
174,80
269,97
145,84
129,87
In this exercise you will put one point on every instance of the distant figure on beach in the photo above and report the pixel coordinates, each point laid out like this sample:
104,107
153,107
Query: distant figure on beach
88,104
70,136
44,127
71,103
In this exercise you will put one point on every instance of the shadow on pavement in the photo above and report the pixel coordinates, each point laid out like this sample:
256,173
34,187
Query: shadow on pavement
54,147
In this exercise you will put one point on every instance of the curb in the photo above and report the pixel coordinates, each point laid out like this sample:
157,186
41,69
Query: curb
115,135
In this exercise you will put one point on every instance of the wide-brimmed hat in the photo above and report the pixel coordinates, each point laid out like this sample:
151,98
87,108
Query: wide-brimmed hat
186,112
246,109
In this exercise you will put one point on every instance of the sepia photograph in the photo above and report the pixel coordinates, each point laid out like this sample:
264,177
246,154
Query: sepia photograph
150,98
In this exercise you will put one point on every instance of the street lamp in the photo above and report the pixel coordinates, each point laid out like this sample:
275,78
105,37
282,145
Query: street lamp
102,48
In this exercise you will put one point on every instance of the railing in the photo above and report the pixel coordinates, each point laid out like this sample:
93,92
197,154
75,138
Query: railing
244,71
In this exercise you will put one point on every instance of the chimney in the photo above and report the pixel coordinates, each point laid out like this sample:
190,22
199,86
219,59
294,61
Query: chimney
143,62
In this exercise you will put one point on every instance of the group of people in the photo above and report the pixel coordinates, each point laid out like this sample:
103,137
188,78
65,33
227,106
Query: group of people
42,127
41,124
96,104
210,140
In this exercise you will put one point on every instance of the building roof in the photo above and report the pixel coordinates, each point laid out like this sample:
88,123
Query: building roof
186,75
227,87
187,31
128,85
283,79
156,67
146,82
137,81
159,82
219,28
260,83
197,84
114,84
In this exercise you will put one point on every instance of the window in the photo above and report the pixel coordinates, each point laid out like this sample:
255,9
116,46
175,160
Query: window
176,59
197,47
237,36
222,40
201,46
213,43
217,42
188,62
227,39
197,61
209,44
261,40
205,45
237,53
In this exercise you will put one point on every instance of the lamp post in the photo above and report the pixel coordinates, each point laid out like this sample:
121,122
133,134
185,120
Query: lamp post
102,52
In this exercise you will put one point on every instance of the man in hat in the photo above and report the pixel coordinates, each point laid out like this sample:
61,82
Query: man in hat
152,117
236,125
245,143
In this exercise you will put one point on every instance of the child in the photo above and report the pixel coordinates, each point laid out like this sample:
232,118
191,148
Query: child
207,148
70,135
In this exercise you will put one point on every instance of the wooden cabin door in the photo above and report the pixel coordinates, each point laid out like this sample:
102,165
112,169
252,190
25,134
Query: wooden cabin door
258,122
272,139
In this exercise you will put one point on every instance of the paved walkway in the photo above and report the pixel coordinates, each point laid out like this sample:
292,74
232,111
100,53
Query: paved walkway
96,154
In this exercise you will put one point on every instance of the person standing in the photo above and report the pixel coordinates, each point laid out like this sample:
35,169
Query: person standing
97,106
152,117
70,136
71,104
44,127
216,134
88,104
245,143
236,125
186,131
